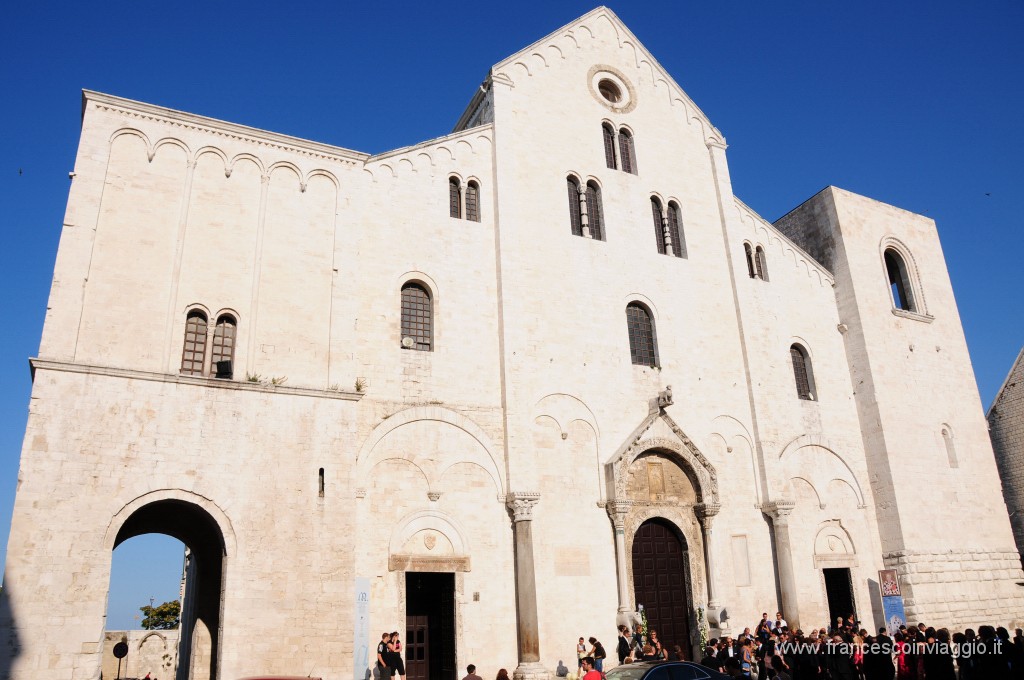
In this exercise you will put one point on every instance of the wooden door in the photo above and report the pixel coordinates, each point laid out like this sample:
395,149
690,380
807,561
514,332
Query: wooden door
417,648
660,582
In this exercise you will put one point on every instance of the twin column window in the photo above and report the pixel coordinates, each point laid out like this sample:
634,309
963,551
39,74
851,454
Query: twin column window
217,362
464,203
668,233
626,155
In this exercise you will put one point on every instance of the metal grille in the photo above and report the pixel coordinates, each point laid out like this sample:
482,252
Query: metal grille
194,351
417,317
627,152
223,340
800,372
609,146
594,212
659,231
675,230
761,263
472,202
454,198
749,253
643,349
575,220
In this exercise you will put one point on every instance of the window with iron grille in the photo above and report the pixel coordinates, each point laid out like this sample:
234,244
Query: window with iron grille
454,197
659,229
194,351
595,213
223,345
749,253
609,146
802,372
899,282
643,346
627,152
675,230
417,318
761,263
472,201
575,218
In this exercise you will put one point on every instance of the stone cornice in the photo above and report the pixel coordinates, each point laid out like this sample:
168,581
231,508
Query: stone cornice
221,128
217,383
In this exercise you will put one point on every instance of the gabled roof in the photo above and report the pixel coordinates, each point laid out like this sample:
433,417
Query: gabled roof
1006,381
577,30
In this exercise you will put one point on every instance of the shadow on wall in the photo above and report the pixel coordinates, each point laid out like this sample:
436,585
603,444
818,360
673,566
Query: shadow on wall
10,643
876,605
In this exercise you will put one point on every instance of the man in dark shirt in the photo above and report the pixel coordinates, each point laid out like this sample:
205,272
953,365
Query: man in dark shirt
383,655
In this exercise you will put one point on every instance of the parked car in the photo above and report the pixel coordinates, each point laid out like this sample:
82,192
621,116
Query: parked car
664,670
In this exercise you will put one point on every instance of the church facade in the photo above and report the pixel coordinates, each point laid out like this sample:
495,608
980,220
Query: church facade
495,390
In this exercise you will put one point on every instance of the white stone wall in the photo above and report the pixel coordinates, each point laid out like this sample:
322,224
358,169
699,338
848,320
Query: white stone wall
529,386
1006,428
149,651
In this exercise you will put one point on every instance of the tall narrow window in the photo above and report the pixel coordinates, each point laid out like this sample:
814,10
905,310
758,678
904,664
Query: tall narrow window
675,230
194,351
627,152
223,346
643,346
659,229
609,145
748,252
762,263
454,197
899,282
417,318
472,201
595,214
947,438
802,372
575,219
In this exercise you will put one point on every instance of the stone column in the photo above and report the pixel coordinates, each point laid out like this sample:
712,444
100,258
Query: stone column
706,513
617,511
584,213
521,506
779,511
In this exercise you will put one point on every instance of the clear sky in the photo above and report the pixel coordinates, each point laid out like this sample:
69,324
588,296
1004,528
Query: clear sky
918,104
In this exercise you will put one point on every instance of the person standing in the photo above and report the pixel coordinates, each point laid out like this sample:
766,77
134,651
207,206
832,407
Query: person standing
590,672
471,673
598,654
383,654
397,663
622,648
581,654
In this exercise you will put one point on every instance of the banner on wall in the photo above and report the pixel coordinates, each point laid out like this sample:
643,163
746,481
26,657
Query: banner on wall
361,642
892,600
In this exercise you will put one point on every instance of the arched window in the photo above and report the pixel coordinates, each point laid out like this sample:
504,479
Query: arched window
575,218
454,197
223,352
899,282
472,201
659,228
761,263
643,345
609,145
417,318
675,230
749,253
802,372
193,354
947,438
595,214
626,151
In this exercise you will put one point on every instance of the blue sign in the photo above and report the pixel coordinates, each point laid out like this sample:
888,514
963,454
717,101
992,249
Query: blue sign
892,608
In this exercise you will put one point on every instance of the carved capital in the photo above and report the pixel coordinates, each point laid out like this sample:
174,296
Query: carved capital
706,512
618,510
521,503
434,496
779,510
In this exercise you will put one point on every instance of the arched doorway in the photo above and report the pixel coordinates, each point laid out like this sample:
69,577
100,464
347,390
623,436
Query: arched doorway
201,610
661,581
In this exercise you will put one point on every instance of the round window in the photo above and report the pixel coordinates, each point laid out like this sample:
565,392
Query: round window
610,91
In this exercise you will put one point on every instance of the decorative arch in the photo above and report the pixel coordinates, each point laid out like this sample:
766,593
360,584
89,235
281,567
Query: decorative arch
490,461
428,520
117,521
918,303
833,546
793,465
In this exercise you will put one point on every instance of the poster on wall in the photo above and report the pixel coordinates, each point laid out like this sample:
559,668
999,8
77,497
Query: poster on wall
892,600
361,641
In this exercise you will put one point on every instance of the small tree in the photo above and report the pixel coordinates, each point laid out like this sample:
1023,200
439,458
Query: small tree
161,617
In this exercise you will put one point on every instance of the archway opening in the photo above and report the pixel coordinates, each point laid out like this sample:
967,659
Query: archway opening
200,578
661,582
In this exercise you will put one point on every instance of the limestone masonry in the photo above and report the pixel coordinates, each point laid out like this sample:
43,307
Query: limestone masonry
510,383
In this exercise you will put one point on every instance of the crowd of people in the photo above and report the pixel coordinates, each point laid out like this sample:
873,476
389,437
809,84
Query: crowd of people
846,651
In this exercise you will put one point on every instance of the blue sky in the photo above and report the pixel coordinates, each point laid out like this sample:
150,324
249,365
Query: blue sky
918,104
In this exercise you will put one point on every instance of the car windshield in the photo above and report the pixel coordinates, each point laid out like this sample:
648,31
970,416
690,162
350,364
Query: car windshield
627,672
